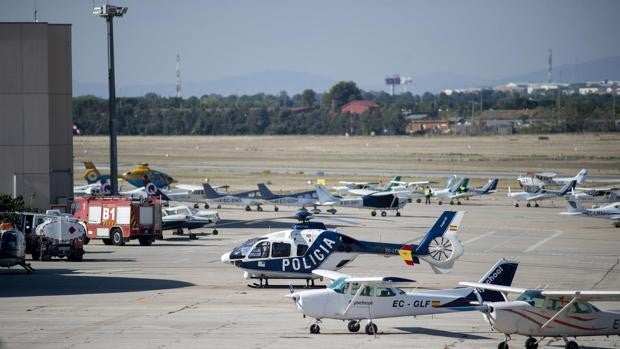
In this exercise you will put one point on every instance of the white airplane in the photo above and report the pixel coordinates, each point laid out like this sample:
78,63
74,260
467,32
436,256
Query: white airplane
182,217
598,195
549,178
453,187
246,198
295,253
383,200
611,211
487,189
346,186
536,194
370,188
549,313
369,298
301,199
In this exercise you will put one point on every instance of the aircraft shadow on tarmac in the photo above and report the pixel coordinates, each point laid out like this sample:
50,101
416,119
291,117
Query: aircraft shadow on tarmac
59,282
439,333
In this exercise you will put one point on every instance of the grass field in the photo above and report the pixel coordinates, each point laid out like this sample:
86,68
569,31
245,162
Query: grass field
284,161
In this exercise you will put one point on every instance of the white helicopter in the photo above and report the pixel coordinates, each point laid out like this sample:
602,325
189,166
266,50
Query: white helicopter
357,298
549,313
13,247
295,253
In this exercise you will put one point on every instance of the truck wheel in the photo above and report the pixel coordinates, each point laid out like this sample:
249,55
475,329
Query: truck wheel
84,239
117,237
76,255
145,241
107,241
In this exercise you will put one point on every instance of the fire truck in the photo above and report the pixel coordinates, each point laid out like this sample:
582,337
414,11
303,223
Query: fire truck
119,219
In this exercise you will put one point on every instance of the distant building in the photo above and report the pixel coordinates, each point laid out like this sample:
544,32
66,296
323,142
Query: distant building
359,107
428,126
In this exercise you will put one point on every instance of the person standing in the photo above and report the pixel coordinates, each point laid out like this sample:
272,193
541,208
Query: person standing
427,195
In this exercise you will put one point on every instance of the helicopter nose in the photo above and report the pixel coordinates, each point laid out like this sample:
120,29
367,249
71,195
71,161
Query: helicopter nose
225,257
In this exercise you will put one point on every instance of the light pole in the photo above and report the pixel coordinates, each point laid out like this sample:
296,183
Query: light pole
109,12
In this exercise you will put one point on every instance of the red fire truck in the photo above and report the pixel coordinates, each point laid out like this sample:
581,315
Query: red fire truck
118,219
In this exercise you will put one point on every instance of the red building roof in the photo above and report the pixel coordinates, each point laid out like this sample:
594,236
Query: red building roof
359,107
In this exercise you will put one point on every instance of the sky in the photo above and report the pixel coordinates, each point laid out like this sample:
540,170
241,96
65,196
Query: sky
357,40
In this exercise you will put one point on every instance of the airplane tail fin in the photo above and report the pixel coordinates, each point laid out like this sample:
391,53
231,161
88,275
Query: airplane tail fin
265,193
440,247
501,274
449,182
91,174
565,189
572,206
490,186
581,176
455,185
392,183
210,193
324,195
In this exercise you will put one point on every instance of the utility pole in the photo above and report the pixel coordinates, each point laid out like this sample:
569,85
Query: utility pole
109,12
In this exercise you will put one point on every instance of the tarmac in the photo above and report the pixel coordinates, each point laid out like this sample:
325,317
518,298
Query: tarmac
177,294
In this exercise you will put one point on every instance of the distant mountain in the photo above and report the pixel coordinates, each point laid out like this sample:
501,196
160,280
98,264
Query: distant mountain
596,70
272,82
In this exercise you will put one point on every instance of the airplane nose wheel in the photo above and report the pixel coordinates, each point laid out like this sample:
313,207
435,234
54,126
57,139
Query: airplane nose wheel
504,344
371,328
531,343
571,345
315,329
353,326
383,213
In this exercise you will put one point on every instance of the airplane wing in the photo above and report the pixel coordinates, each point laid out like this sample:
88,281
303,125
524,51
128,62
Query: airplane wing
384,193
189,187
616,216
374,280
587,295
329,274
491,287
539,197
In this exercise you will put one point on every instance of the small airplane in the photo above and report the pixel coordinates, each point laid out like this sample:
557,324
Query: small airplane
549,313
536,194
13,247
301,199
246,198
611,211
182,217
598,195
455,187
371,188
358,298
295,253
383,200
137,176
549,178
487,189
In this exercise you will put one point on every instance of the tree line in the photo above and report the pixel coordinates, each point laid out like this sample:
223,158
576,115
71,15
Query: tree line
313,113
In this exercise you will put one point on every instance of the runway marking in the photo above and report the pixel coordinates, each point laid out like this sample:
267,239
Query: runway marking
479,237
539,243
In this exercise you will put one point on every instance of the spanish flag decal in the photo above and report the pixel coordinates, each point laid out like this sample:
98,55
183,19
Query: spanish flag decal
453,228
435,304
406,254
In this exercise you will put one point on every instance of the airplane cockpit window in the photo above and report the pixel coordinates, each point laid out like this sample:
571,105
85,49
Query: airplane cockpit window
384,292
261,250
301,249
243,250
533,297
554,304
280,249
581,308
367,291
339,285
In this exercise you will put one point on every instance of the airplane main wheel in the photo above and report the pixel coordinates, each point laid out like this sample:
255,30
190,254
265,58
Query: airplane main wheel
371,328
458,202
277,209
531,343
572,345
259,208
397,214
439,202
516,204
353,326
451,202
315,329
528,205
383,213
215,232
502,345
219,207
373,213
418,200
247,208
206,206
196,206
536,205
192,236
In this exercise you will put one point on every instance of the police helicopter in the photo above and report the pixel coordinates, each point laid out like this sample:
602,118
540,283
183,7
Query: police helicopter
13,248
295,253
358,298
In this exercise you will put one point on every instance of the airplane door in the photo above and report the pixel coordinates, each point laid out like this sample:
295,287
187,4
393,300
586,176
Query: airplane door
361,307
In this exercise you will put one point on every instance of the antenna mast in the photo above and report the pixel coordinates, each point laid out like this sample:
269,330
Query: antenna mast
179,95
550,66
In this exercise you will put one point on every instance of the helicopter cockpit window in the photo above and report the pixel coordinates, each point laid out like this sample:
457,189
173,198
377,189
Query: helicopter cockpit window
261,250
280,249
243,250
533,297
301,249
